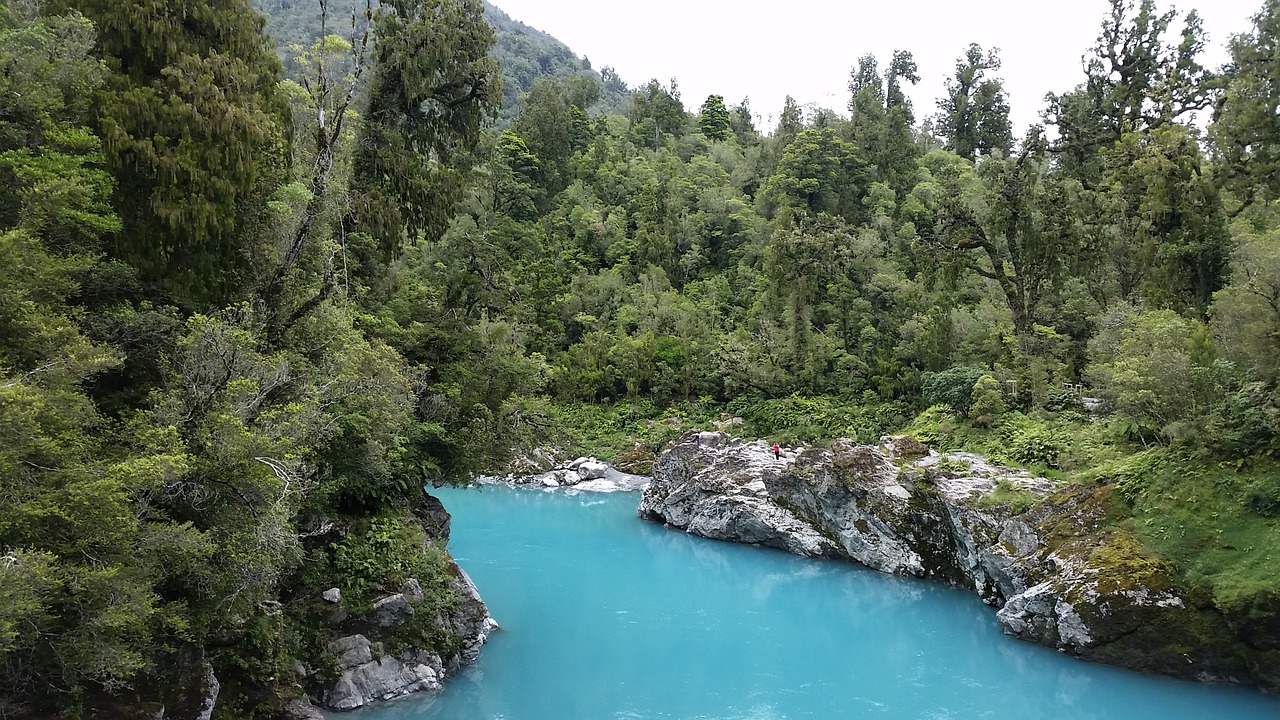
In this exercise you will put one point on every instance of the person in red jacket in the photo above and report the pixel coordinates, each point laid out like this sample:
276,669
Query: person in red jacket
777,451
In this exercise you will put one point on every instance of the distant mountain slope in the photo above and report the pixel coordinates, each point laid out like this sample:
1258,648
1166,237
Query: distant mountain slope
525,53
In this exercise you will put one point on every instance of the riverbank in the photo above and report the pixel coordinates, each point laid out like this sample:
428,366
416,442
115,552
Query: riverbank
1057,558
605,615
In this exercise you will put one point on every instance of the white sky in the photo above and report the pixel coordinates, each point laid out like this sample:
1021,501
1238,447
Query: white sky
806,48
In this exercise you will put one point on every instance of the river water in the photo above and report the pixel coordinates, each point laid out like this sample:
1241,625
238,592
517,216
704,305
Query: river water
607,617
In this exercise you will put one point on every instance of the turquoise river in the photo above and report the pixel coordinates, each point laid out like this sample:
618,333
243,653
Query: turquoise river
606,616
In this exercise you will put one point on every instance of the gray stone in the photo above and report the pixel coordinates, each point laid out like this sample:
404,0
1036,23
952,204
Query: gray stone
332,595
393,610
351,651
383,679
412,591
592,470
210,699
302,710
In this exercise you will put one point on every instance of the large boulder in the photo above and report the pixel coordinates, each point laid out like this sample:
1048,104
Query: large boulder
369,675
1060,574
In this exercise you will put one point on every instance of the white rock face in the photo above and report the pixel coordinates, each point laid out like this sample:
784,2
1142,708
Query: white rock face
366,679
585,474
901,508
592,470
333,595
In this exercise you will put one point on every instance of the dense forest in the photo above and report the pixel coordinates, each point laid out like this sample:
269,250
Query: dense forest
524,54
251,289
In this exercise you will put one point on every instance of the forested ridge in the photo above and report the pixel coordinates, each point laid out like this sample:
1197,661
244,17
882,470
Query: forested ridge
524,53
247,300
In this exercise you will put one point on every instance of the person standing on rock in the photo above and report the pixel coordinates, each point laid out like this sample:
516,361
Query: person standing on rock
777,452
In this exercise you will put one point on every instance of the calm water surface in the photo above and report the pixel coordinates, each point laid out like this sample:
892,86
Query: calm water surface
608,617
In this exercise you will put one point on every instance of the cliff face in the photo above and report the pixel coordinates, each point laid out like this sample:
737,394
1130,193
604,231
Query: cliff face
1064,574
408,642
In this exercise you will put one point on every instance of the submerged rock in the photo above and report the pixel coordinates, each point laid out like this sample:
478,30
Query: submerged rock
1060,574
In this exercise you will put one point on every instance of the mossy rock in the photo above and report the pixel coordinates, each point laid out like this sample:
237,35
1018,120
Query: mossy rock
637,461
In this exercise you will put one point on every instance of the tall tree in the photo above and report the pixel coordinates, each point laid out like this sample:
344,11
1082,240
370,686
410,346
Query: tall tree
554,123
790,123
881,122
1168,234
1013,222
743,123
656,109
1136,80
713,119
820,173
191,121
1245,133
433,86
975,113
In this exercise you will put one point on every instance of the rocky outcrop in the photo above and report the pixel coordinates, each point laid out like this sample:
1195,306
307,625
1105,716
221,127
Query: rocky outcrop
585,474
1062,574
370,675
403,642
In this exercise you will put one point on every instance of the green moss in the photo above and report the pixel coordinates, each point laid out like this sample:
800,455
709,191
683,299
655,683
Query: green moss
1014,497
952,465
1125,565
1197,514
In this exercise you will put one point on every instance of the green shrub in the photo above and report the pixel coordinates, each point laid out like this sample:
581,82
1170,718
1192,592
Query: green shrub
1263,496
1245,422
986,403
1037,445
1063,401
821,417
382,553
933,426
1018,499
952,465
952,387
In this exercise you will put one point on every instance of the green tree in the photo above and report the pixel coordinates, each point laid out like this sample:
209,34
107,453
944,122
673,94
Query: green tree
1168,234
656,109
432,87
714,120
191,123
743,123
790,123
553,123
1143,362
79,612
1136,80
1246,313
975,112
819,173
1012,221
1245,133
881,123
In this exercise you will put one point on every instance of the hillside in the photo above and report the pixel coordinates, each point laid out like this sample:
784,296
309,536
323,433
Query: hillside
525,53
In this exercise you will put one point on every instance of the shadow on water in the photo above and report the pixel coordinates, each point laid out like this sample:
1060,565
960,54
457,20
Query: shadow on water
608,616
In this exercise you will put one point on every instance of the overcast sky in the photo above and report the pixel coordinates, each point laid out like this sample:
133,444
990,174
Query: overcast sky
806,48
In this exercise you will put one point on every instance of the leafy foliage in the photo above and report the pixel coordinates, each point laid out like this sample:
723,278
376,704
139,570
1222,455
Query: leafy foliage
238,312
